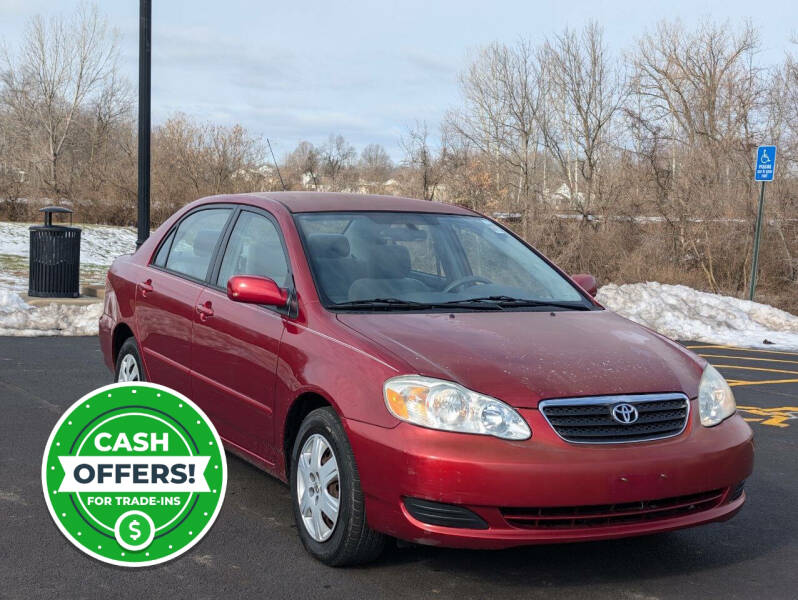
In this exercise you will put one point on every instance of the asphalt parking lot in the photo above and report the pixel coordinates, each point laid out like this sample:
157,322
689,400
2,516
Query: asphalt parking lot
253,550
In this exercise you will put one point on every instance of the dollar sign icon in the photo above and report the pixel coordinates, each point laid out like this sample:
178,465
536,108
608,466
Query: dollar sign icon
134,530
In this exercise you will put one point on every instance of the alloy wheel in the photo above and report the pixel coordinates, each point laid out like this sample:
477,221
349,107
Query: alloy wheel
318,487
129,369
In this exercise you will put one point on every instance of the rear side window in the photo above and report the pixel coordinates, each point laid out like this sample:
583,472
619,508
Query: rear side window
195,240
254,248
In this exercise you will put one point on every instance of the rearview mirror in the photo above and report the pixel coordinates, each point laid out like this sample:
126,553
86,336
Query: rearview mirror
256,290
587,282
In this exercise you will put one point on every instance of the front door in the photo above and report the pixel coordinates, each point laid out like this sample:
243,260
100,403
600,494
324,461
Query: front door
235,345
166,296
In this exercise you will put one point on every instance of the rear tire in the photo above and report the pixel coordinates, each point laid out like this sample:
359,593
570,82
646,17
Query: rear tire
347,539
128,363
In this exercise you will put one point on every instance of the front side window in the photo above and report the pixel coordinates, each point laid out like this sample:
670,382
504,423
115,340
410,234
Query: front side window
254,248
195,240
416,260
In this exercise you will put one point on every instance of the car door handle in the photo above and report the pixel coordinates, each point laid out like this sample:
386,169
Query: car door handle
145,286
204,311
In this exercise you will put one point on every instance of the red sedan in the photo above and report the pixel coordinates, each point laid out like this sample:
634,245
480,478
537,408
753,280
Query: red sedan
415,370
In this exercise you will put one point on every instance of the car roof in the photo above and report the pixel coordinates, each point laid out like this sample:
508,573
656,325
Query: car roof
302,202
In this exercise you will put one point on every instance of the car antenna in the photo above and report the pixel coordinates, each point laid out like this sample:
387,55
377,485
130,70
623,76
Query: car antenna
282,183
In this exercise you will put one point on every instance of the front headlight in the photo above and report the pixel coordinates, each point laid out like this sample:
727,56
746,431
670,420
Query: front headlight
715,398
445,405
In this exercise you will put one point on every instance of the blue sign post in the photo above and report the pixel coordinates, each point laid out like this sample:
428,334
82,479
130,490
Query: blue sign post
764,169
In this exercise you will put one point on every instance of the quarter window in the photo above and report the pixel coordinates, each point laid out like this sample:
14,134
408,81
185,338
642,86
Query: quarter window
195,240
163,251
254,248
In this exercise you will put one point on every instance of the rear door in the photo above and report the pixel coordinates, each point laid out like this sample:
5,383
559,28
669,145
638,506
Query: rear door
235,345
167,294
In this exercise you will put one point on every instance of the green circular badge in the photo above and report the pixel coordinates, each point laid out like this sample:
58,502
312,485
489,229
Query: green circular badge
134,474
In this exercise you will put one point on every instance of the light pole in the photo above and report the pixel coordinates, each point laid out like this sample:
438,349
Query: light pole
145,43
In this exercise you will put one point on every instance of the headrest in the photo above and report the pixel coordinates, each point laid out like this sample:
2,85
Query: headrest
204,241
328,245
389,262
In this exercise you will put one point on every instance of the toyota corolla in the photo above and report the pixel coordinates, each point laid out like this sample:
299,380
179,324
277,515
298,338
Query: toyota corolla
415,370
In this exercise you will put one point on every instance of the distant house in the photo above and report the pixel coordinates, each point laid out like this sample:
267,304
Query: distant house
265,175
561,198
308,181
18,175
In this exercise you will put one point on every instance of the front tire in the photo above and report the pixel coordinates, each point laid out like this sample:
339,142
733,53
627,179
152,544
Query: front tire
328,503
128,363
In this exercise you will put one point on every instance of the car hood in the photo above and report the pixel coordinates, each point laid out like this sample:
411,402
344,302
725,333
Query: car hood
525,357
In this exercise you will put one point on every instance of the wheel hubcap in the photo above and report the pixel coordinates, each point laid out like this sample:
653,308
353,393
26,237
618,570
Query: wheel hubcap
318,487
129,369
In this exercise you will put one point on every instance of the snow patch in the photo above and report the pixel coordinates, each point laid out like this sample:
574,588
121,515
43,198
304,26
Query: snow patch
11,302
17,318
682,313
99,244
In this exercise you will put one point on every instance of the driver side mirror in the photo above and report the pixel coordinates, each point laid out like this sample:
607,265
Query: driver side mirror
256,290
587,282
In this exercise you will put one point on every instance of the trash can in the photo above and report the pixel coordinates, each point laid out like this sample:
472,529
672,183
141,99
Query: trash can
54,257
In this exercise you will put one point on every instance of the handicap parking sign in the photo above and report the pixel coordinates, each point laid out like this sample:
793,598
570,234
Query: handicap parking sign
765,163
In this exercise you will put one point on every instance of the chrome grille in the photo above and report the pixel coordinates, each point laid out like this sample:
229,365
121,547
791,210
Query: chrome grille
590,420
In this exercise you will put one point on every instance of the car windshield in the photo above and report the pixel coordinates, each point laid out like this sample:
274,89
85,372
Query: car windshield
411,261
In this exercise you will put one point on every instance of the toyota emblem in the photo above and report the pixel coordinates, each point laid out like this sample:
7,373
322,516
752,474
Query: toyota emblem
625,414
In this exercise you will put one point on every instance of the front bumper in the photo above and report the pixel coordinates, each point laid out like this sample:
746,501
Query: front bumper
493,477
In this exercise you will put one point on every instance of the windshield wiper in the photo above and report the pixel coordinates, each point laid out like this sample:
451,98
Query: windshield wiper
380,303
510,301
391,303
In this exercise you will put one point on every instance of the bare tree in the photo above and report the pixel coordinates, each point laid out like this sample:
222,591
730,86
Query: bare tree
63,65
697,97
303,163
336,156
502,94
375,164
587,90
701,86
421,158
12,177
193,159
469,174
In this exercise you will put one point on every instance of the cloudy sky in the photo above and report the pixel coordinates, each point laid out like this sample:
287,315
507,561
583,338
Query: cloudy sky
304,69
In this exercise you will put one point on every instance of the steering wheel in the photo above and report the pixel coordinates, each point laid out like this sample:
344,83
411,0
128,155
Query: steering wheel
465,281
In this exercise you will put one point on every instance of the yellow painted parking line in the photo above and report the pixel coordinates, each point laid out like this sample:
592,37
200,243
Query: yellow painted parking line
774,417
736,383
717,347
746,368
774,360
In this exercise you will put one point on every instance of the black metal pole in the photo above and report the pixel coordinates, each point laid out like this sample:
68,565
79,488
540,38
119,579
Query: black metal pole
145,43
